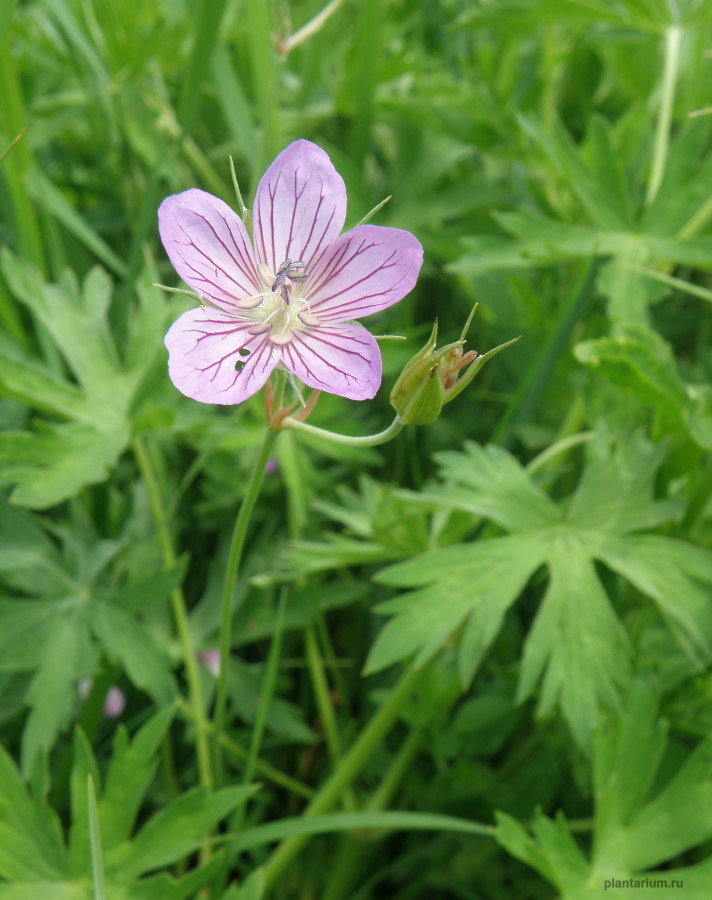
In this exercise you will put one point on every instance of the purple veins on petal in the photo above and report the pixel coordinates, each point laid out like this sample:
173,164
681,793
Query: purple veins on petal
366,270
205,348
300,206
208,245
342,359
289,300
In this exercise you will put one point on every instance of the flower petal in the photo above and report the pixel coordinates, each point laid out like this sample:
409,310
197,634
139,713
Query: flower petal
340,359
300,206
366,270
214,359
209,247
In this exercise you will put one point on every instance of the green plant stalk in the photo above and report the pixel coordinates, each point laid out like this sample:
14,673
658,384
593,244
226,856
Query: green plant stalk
673,37
312,27
209,16
347,770
326,710
321,694
369,440
179,613
545,460
532,385
363,75
232,748
234,558
384,793
97,861
258,728
18,164
197,159
697,221
353,852
268,688
700,496
265,70
324,639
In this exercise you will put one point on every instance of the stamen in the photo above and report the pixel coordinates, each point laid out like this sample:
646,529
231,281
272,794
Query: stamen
306,318
251,302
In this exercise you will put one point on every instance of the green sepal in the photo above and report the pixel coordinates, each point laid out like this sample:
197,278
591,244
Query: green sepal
429,380
417,395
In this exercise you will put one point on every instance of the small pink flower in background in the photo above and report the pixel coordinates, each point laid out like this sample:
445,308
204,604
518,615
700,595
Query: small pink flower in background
114,703
271,465
211,660
287,301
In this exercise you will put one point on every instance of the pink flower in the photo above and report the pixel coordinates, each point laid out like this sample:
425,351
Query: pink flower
287,301
211,660
114,702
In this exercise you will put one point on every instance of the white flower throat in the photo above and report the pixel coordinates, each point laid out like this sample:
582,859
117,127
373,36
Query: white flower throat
280,306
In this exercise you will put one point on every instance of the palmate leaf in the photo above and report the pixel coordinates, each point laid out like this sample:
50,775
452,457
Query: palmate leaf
65,609
606,225
54,460
36,861
577,651
633,831
639,360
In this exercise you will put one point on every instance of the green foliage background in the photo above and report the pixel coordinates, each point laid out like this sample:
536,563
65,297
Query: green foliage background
482,651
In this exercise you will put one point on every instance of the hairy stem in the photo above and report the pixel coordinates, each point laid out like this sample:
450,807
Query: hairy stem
369,440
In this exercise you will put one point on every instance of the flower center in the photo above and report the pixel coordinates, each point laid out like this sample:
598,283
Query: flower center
281,308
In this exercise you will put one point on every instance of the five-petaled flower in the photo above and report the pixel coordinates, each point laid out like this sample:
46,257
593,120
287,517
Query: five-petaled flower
287,301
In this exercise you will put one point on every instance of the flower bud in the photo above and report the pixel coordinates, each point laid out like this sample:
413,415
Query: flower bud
432,377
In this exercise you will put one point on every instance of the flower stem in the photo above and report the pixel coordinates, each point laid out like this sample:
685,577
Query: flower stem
233,562
346,771
369,440
673,37
180,614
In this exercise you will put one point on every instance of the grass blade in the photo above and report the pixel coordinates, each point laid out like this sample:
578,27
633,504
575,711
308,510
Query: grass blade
97,861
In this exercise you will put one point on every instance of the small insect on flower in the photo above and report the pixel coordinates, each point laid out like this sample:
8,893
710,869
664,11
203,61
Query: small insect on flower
287,297
289,271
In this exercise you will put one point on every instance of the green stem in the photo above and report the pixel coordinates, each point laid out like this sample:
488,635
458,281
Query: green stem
540,371
18,164
179,612
545,458
697,221
233,562
268,687
205,34
347,770
354,852
673,37
321,694
326,710
369,440
384,793
697,504
277,776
